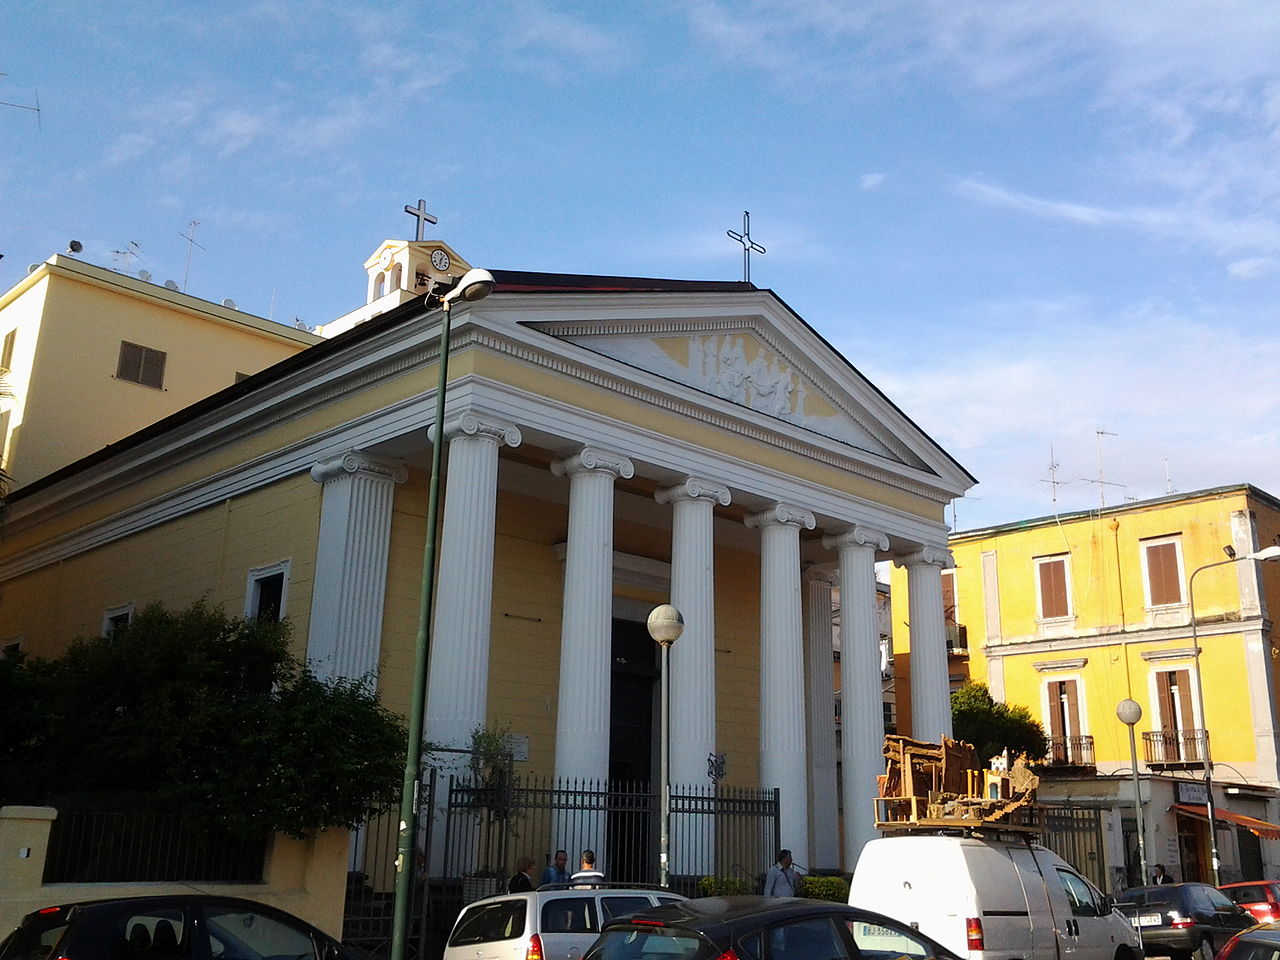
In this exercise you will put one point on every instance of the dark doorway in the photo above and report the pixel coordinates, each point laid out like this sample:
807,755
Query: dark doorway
631,738
1250,854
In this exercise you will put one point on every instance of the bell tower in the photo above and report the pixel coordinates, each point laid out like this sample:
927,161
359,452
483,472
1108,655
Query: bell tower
402,269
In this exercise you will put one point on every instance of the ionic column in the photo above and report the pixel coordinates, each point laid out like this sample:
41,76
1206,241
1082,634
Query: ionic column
824,808
586,637
862,710
458,679
930,683
783,761
345,629
692,662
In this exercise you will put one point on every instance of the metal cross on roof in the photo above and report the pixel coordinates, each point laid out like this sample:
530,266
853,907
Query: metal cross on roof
748,245
420,213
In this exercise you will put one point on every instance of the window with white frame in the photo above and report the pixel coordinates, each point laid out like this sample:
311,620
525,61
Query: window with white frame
1162,571
114,618
1053,587
267,592
1063,701
956,639
1178,739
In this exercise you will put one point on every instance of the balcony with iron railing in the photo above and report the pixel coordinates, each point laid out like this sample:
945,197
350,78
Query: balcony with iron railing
1074,753
957,639
1175,748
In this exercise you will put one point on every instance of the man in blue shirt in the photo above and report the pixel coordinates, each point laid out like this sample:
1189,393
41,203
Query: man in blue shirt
557,872
781,880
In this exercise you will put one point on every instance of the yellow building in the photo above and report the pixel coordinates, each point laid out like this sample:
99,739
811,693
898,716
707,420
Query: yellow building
1070,615
612,443
91,355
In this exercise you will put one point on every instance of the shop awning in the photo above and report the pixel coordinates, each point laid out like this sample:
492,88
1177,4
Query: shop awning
1255,826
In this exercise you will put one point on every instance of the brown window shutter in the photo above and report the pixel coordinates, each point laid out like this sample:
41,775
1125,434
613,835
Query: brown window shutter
1162,574
1072,724
1055,709
129,366
152,373
1165,685
1053,589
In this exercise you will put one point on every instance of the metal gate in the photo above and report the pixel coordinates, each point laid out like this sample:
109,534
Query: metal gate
1075,834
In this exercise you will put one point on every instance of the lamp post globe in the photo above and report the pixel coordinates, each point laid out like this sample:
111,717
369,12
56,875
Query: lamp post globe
665,624
1129,712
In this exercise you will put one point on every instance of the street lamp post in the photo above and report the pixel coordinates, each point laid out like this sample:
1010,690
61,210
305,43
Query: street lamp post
475,284
1265,554
1130,712
665,626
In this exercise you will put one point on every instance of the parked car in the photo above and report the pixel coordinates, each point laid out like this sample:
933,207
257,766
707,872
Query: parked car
754,928
1257,943
1183,919
154,928
991,899
554,922
1260,897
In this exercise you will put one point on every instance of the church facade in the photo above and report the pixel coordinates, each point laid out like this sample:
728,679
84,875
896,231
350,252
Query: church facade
612,443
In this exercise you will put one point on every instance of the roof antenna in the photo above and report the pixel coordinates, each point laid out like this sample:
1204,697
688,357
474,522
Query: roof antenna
1053,481
191,242
1168,481
1102,480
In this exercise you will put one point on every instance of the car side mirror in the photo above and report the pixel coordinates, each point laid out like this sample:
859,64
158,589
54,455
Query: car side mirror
1108,904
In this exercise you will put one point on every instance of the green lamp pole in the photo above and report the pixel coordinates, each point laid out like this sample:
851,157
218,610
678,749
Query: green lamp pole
474,285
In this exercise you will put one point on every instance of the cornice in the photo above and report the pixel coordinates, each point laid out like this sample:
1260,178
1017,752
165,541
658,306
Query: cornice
1060,645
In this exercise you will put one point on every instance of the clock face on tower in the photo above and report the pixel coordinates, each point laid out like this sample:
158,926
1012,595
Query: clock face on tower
440,260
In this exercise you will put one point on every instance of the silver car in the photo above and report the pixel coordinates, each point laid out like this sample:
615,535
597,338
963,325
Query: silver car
554,922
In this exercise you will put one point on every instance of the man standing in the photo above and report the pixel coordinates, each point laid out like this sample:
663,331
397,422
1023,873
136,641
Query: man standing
1159,876
781,880
588,876
522,880
557,872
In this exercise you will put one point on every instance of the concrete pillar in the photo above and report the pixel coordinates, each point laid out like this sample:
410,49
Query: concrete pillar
930,682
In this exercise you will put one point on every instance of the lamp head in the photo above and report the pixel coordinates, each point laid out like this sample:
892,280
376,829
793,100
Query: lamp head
476,284
1230,551
665,624
1266,553
1129,712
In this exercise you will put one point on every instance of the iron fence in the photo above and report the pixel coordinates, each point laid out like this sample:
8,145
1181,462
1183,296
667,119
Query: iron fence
109,847
1075,834
715,831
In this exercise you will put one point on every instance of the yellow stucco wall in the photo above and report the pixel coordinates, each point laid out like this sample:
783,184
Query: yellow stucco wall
69,328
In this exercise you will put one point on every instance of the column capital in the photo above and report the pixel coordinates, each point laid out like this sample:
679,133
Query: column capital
594,460
781,514
936,556
470,424
694,488
357,461
859,536
819,573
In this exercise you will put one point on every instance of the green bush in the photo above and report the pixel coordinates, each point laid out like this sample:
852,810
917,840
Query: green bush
724,887
835,889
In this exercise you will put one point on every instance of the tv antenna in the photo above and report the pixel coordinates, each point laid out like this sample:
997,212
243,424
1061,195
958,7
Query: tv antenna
1053,481
23,106
1102,480
190,237
131,249
1168,481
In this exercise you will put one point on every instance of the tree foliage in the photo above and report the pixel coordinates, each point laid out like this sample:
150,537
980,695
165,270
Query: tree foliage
992,727
203,713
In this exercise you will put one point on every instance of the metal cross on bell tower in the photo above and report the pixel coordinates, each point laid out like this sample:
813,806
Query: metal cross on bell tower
748,245
420,213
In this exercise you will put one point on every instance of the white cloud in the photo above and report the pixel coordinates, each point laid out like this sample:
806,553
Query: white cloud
870,181
1252,267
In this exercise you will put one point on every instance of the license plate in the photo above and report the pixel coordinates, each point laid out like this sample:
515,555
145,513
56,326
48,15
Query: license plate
1149,920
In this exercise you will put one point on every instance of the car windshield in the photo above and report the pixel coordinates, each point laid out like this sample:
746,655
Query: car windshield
1148,897
1255,894
640,943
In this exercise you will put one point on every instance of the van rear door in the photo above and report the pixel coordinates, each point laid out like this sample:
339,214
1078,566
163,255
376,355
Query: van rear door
1040,908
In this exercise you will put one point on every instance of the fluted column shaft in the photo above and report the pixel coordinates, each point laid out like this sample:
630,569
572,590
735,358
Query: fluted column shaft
824,812
586,635
930,683
458,679
862,710
783,758
692,659
344,636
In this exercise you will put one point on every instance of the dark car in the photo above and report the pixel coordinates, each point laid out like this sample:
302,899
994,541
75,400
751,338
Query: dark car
1181,919
761,928
191,927
1260,897
1257,943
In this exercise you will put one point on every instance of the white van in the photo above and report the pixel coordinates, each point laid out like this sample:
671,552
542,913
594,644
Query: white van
990,899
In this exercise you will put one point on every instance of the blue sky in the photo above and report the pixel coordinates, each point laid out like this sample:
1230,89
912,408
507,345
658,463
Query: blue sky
1025,221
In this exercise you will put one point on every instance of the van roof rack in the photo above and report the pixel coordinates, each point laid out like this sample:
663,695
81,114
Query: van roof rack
927,787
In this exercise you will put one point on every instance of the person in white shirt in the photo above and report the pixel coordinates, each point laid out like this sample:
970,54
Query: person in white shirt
588,876
781,880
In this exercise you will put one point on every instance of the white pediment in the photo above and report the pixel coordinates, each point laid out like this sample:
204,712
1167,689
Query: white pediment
749,364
